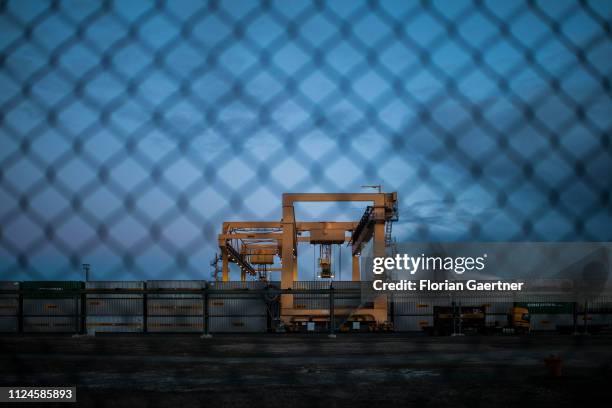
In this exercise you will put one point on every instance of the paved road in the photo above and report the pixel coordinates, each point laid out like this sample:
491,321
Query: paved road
277,370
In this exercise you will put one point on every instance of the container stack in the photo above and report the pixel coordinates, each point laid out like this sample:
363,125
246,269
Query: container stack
347,300
415,311
9,308
313,300
321,301
114,312
238,312
596,313
546,316
548,313
50,307
175,313
412,313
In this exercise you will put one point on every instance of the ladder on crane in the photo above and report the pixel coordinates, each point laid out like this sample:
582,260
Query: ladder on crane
388,230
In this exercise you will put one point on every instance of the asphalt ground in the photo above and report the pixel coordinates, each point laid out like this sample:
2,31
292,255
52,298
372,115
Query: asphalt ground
356,370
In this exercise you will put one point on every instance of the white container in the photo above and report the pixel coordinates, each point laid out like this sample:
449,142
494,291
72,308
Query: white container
175,306
251,324
551,322
9,305
114,324
8,324
51,307
50,324
175,324
195,285
237,307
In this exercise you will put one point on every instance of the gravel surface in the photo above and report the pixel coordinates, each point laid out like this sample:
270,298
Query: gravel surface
305,371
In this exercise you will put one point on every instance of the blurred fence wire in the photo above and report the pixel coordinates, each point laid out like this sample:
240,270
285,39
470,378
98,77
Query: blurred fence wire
130,130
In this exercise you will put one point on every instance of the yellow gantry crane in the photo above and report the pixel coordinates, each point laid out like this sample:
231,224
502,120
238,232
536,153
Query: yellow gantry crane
250,243
254,245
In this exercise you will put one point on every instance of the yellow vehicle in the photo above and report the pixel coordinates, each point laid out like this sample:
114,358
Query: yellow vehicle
448,320
519,320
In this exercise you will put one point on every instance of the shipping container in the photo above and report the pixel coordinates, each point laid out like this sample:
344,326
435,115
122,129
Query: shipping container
135,286
547,307
551,322
494,302
8,324
114,312
174,312
249,289
175,304
412,323
342,298
51,306
192,285
183,306
114,324
316,301
596,319
243,304
237,307
417,304
546,302
240,312
50,324
9,303
97,306
115,304
48,307
9,285
245,324
410,310
239,285
175,324
50,289
599,304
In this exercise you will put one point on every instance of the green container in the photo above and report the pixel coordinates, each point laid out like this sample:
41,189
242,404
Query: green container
547,307
50,289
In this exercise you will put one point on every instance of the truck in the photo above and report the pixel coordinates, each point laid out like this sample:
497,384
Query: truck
453,320
519,320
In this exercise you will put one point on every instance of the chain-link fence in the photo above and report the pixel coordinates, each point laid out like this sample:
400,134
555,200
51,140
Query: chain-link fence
130,130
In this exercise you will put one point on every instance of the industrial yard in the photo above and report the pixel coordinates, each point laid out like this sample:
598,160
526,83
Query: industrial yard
312,370
306,204
298,343
259,304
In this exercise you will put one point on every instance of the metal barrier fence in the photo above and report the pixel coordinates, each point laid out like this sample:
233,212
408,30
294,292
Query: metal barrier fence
129,130
254,307
146,307
556,311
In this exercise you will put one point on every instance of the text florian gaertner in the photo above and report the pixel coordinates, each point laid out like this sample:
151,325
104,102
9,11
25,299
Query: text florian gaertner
446,285
459,265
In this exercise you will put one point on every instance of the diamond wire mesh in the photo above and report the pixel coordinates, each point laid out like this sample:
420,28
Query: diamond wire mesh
131,130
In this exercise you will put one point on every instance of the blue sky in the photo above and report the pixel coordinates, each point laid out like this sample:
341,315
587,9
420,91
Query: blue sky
192,113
